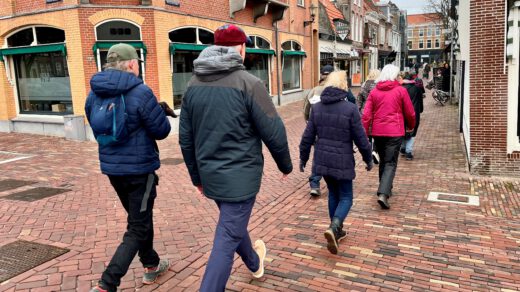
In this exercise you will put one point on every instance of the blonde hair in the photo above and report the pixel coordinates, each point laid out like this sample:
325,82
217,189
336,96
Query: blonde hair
337,79
373,74
389,73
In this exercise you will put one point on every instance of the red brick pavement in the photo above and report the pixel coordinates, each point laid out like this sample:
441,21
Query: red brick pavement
417,245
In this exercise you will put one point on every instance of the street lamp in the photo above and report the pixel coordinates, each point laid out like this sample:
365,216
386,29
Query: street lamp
313,10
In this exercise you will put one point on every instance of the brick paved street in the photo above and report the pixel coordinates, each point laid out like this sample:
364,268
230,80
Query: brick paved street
418,245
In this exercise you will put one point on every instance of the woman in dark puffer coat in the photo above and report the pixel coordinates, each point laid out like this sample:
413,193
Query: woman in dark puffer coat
334,125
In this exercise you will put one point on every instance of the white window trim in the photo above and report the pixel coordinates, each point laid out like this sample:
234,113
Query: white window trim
301,69
269,62
300,3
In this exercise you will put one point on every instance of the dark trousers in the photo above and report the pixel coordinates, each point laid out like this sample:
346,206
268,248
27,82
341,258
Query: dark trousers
340,197
388,150
137,194
314,181
230,236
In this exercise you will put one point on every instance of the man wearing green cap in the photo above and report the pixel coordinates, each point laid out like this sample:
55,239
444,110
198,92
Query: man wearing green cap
130,158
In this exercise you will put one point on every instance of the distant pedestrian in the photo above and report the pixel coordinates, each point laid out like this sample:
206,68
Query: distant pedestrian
226,115
369,84
426,71
126,120
387,110
446,76
417,100
334,125
313,97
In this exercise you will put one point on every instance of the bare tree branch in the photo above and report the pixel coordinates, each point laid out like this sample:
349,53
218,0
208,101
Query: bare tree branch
440,10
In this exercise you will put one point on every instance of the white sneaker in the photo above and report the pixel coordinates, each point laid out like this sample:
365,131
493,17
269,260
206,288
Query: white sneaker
375,157
261,250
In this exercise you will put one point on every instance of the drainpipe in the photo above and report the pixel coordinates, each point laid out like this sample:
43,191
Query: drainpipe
277,62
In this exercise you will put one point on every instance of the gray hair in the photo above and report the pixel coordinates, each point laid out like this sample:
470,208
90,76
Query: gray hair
389,73
116,65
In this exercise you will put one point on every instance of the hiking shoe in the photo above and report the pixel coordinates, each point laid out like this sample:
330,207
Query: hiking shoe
151,274
409,156
332,243
341,235
261,250
98,289
315,192
382,199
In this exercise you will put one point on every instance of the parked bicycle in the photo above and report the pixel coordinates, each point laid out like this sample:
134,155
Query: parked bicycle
441,97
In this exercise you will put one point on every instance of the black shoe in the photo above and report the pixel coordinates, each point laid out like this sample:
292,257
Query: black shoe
409,156
403,151
332,234
341,235
382,199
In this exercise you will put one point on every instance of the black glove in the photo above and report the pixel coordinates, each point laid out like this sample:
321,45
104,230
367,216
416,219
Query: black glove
167,109
370,165
302,165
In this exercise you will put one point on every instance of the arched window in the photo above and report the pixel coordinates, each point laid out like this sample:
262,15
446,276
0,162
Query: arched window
112,32
185,46
292,65
258,57
40,68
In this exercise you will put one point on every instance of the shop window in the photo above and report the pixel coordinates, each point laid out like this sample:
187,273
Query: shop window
292,66
117,31
40,69
258,58
186,45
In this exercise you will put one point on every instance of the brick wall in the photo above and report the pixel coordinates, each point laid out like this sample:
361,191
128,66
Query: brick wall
116,2
488,92
22,6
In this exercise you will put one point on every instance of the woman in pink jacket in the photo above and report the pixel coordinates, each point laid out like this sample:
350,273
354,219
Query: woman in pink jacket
388,111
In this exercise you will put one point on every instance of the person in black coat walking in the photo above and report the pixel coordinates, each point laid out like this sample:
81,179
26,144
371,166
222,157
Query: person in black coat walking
446,75
417,99
334,125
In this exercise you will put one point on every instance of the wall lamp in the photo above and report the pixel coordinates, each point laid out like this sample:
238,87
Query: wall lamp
313,10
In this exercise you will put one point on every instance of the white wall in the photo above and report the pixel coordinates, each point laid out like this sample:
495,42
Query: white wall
464,55
513,143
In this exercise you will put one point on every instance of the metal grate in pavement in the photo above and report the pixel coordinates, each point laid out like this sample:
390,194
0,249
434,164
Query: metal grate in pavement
35,194
9,184
20,256
454,198
172,161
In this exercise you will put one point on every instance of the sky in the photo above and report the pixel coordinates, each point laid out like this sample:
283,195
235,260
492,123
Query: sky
412,6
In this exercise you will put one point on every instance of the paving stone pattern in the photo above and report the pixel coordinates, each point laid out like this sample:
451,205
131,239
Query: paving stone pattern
417,245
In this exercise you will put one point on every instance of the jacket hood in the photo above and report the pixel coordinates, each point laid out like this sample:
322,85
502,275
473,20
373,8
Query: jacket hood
217,60
332,95
387,85
113,82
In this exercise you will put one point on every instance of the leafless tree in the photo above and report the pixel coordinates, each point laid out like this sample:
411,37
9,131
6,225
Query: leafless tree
440,10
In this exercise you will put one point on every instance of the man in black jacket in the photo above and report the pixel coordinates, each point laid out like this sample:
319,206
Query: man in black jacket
226,114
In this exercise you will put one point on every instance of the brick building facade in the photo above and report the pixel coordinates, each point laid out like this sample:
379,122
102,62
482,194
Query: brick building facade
425,38
488,86
49,50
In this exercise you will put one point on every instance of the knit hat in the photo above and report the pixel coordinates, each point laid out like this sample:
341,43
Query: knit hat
230,35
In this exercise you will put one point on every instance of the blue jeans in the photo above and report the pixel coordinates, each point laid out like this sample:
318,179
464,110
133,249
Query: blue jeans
314,181
340,197
231,236
408,144
137,194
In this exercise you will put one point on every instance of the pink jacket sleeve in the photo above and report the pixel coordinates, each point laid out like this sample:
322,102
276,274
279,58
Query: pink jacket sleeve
368,113
408,110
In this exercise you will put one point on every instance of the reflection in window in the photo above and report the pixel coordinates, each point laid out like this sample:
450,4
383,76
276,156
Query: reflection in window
117,30
43,83
291,72
22,38
49,35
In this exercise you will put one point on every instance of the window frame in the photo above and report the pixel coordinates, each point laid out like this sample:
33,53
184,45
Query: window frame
428,44
300,59
300,3
437,43
421,44
421,32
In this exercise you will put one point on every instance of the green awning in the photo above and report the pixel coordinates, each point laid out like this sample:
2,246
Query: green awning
294,53
186,47
107,45
33,50
259,51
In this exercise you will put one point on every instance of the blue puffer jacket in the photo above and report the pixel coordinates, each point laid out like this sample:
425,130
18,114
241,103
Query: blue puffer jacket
334,125
146,123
